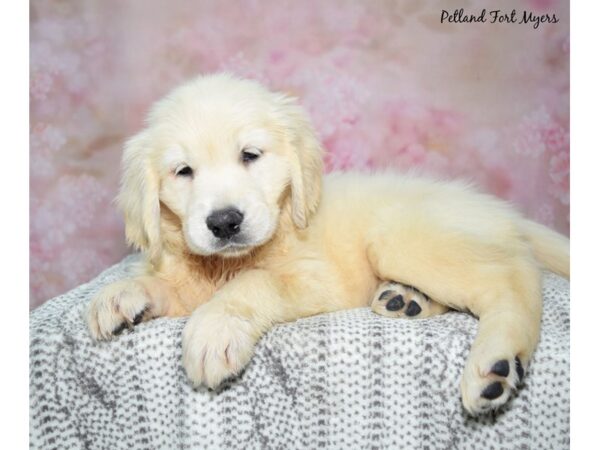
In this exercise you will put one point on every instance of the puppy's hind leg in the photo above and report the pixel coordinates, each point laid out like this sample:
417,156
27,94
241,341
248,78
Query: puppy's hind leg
499,283
509,328
393,299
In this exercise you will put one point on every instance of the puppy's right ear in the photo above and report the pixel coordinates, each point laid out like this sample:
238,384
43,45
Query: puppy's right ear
138,196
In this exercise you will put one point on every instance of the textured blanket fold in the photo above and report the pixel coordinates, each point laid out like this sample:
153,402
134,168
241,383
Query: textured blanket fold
344,380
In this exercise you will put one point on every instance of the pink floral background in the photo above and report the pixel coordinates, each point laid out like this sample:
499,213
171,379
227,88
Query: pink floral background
386,84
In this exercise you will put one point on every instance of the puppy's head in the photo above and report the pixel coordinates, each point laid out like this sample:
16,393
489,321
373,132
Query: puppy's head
220,160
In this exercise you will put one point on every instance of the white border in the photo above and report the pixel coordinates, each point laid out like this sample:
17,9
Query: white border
585,165
14,212
585,223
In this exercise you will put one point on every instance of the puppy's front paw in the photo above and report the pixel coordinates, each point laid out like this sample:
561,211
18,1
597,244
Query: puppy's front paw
116,307
216,345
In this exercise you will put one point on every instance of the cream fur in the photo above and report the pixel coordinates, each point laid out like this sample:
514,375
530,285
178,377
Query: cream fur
305,250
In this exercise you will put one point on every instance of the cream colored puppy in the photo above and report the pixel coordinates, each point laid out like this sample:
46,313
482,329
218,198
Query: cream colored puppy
222,193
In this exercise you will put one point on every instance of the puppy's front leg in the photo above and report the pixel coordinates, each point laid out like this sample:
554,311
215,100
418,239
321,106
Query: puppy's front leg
219,338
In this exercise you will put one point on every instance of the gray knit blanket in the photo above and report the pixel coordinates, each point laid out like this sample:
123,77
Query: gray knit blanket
345,380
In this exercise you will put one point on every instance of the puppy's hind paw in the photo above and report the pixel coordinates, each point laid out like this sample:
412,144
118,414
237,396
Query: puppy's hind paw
398,300
490,388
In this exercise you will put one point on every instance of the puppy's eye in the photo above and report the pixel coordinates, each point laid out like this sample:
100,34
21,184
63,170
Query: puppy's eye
184,171
249,155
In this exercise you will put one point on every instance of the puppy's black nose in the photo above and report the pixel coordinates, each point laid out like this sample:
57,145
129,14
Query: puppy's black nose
225,223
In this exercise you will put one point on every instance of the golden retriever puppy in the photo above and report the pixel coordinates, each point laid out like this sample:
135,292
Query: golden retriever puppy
223,194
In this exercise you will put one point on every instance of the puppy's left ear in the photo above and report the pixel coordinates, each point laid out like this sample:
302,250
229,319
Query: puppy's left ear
306,160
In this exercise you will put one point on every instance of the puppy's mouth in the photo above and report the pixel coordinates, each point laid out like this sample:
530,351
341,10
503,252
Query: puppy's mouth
235,246
239,245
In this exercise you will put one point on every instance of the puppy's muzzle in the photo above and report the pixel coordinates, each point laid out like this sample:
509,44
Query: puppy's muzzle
225,223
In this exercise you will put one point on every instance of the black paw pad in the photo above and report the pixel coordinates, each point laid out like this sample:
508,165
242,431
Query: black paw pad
493,391
519,367
395,304
412,309
385,294
139,316
501,368
117,331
